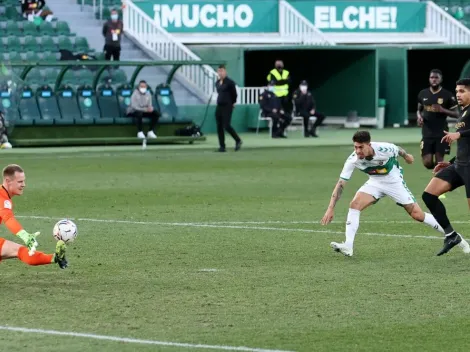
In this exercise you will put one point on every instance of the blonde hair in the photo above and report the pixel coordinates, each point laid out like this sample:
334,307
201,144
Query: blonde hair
10,170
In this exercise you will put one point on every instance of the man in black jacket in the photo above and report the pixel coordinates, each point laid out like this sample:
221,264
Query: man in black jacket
113,30
271,106
305,107
226,99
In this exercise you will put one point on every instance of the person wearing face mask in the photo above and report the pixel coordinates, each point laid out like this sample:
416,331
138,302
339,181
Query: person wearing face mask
140,107
305,107
112,32
271,107
282,81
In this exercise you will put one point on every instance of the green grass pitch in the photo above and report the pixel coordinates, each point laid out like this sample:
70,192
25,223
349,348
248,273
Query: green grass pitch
191,246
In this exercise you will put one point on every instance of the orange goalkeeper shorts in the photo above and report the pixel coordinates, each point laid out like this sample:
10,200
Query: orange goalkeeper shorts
2,241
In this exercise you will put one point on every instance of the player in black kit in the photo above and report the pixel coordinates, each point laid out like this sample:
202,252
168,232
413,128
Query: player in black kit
453,174
434,105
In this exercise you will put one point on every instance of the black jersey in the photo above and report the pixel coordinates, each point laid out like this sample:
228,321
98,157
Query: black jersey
434,122
463,143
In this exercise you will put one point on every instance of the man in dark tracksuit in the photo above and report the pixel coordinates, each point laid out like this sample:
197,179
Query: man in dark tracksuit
226,99
271,106
305,107
112,32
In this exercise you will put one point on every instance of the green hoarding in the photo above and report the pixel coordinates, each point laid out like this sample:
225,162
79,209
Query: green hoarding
363,16
211,16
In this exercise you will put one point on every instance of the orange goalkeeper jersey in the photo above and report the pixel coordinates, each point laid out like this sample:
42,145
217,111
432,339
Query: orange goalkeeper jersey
6,212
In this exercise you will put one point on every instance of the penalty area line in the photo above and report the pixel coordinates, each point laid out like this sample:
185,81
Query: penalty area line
135,341
221,226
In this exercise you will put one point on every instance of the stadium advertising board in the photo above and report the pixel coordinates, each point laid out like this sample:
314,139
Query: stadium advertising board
364,16
209,16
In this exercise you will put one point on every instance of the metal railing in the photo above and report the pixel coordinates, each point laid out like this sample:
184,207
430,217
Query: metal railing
154,38
441,23
293,24
249,95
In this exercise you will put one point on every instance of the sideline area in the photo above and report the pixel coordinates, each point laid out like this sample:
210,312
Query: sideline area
328,137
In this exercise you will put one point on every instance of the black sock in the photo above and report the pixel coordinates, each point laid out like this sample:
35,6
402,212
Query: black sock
438,210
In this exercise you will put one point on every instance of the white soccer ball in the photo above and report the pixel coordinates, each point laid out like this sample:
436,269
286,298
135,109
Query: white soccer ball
65,230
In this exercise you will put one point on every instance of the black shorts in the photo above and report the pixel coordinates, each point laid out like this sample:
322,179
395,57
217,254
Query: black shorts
434,146
457,176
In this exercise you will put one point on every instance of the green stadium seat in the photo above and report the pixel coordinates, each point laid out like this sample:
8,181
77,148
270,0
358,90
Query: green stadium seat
32,56
46,28
34,78
48,106
8,104
12,29
29,28
51,74
118,77
69,78
13,43
81,45
166,104
47,44
12,14
68,106
84,77
108,105
124,94
88,105
50,57
65,44
62,28
30,44
13,56
28,107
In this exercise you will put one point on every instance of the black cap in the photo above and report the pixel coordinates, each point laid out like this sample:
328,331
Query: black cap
304,83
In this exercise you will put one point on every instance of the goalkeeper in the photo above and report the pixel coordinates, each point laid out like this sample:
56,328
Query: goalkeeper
13,185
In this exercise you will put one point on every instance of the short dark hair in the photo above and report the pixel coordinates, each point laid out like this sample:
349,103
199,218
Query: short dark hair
222,67
463,82
361,137
439,72
10,170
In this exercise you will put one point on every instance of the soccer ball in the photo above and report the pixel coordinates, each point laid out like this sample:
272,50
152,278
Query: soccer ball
65,230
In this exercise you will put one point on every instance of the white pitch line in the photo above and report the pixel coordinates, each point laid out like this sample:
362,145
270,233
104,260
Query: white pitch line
136,341
220,226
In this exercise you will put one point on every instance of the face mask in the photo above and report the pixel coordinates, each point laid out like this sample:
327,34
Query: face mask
271,88
114,17
143,90
303,89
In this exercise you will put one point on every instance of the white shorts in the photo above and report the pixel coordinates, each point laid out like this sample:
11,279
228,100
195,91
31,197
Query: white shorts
398,191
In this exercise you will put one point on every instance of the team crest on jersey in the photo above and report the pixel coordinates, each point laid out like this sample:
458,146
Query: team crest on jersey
7,204
440,101
381,163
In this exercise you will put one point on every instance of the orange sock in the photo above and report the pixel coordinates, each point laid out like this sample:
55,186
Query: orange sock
37,258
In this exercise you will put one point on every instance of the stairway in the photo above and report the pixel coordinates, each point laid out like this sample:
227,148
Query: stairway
85,25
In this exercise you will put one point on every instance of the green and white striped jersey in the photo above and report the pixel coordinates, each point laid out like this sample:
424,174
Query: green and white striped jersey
382,167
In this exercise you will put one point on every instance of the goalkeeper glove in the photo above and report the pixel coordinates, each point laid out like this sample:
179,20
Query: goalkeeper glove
29,240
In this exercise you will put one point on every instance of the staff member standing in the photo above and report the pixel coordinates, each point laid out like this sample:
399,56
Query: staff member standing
282,81
112,32
226,99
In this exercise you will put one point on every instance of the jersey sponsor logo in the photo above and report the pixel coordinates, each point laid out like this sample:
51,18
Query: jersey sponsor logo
7,204
440,101
378,171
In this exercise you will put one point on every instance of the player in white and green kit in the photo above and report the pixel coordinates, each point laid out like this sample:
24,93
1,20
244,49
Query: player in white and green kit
380,162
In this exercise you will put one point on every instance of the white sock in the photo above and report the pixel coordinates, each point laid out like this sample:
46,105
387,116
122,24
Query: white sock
352,224
431,221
